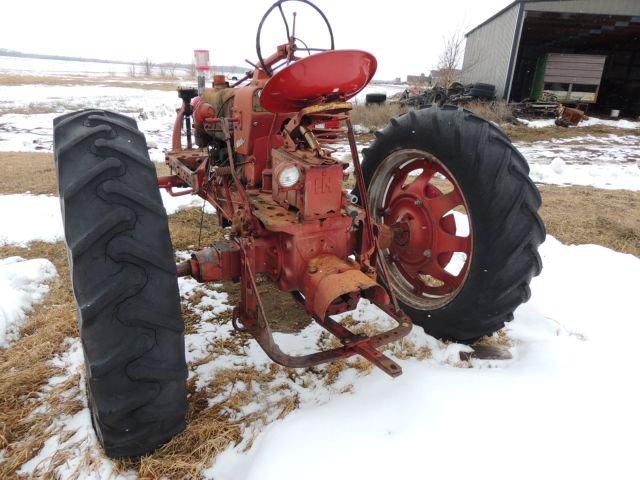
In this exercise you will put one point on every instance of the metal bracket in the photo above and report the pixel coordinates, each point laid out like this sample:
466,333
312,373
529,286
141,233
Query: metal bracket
251,316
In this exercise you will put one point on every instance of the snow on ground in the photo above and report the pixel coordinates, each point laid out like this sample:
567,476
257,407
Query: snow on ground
26,218
175,204
27,112
389,89
550,122
565,406
605,162
22,285
612,161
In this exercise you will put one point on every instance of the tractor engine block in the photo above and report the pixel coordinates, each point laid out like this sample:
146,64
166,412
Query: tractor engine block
317,193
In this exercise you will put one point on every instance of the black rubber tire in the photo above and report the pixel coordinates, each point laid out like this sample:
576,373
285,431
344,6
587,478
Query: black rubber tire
375,98
484,86
439,98
124,281
479,93
502,203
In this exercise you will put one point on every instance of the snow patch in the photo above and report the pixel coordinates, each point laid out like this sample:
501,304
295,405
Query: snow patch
591,121
26,218
611,161
22,285
573,358
570,365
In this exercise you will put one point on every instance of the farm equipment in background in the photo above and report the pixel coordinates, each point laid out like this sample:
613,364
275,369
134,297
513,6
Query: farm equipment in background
455,94
441,229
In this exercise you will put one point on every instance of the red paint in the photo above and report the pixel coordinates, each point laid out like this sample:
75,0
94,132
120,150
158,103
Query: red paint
424,228
327,75
302,238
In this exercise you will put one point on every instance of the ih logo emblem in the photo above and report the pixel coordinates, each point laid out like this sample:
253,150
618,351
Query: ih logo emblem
322,183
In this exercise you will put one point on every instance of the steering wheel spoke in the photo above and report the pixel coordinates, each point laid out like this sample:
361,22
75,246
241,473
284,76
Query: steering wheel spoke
290,34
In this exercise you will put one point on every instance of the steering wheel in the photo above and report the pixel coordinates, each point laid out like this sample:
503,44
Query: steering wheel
291,38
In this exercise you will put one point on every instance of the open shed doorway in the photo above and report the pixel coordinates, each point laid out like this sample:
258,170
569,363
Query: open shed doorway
615,37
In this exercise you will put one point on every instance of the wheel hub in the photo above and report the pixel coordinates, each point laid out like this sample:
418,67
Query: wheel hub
418,204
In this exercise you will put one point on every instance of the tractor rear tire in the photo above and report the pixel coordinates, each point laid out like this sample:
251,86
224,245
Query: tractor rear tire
501,202
124,281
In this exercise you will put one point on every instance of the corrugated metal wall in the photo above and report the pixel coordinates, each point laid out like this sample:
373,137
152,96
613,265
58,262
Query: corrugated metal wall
605,7
488,49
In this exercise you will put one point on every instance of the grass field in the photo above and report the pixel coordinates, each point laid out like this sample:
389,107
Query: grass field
141,82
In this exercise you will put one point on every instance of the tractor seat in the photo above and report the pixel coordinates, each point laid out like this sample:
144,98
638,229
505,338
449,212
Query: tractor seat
326,76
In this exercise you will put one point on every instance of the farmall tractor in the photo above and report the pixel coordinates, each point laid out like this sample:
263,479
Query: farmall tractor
441,229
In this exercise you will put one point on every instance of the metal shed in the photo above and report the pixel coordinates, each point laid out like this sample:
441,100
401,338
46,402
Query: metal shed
505,49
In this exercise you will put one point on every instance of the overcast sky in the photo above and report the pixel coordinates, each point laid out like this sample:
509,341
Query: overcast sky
406,36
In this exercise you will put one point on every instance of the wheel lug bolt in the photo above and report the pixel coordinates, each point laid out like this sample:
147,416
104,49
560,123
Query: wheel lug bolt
427,253
418,203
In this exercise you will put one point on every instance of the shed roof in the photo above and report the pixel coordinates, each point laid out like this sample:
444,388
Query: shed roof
509,7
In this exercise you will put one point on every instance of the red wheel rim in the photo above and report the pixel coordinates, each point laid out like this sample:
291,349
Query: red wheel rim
429,257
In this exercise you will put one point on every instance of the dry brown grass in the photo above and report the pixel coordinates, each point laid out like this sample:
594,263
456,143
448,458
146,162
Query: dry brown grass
27,172
589,215
35,172
25,367
375,117
498,112
498,339
522,133
151,83
185,225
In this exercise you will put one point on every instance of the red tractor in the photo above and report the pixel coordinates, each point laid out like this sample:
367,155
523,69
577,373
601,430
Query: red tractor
441,229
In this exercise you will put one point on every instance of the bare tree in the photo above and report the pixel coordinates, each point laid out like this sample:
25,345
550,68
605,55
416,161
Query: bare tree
171,69
147,67
450,60
163,69
132,70
192,69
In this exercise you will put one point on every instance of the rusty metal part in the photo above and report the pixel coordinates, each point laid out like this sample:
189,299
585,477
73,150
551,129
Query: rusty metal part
330,280
571,116
251,316
368,223
212,264
306,237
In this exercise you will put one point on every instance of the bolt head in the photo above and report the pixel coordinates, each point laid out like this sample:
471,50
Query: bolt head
418,202
427,253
